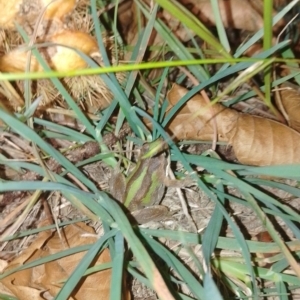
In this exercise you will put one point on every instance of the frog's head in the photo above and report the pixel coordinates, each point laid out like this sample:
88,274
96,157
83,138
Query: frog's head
152,149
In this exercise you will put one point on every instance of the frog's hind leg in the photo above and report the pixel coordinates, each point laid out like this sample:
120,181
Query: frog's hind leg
152,213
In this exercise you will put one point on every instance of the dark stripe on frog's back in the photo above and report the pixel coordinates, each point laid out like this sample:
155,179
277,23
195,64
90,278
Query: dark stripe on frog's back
156,191
143,184
155,176
136,181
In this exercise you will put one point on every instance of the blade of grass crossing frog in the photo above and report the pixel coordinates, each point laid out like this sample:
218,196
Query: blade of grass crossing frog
177,152
179,155
135,186
137,247
156,147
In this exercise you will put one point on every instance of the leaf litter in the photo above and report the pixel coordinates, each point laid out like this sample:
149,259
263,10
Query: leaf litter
233,128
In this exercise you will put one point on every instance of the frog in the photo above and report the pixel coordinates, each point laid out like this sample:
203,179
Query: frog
143,189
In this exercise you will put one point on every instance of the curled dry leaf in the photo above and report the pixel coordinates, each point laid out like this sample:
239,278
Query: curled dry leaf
255,140
32,283
290,101
187,125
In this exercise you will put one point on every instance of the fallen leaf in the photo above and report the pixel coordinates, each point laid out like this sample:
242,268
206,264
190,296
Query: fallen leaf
290,100
255,140
32,283
236,14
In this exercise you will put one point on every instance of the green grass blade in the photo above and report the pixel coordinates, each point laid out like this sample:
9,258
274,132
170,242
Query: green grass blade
174,262
116,283
220,26
177,47
260,33
31,135
136,245
187,18
267,44
212,231
210,289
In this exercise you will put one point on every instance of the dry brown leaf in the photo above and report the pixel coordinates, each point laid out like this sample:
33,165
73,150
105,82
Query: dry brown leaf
31,283
290,100
187,125
255,140
237,14
262,142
